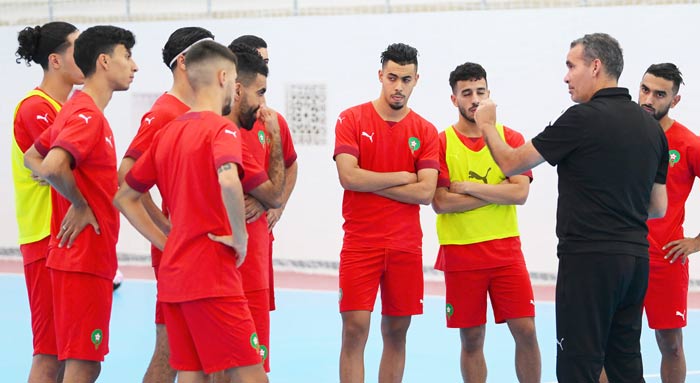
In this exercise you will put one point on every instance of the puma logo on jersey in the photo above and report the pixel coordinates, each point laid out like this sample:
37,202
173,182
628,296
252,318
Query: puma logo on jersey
340,119
231,132
44,117
475,175
680,314
108,140
560,343
84,117
371,138
149,119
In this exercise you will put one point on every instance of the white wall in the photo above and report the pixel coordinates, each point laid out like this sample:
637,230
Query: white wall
522,50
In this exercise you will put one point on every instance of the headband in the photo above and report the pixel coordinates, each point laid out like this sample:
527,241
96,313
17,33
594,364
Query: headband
187,49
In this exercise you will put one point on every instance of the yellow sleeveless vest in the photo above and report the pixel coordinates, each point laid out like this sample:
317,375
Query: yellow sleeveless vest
487,222
32,201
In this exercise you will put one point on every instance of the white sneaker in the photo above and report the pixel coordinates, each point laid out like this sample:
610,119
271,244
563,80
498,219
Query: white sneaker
118,279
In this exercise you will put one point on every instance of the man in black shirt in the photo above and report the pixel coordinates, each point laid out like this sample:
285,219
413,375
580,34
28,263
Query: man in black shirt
611,158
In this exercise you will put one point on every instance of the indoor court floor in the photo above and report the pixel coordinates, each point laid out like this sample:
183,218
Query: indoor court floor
306,339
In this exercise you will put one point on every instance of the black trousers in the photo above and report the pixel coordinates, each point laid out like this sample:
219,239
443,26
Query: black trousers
599,302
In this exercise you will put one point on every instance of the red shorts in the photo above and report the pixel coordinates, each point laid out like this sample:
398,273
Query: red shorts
258,303
38,281
82,307
160,319
399,273
666,302
508,287
211,334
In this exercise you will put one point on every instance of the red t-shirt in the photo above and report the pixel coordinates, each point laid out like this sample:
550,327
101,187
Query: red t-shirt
683,168
166,108
408,145
481,255
81,129
183,161
255,269
34,115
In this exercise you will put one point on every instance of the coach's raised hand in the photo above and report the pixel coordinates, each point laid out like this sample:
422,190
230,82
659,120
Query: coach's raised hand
486,114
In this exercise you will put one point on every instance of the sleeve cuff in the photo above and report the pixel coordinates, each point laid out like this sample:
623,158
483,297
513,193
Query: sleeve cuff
218,162
289,161
254,181
135,184
133,153
428,164
43,150
346,149
70,148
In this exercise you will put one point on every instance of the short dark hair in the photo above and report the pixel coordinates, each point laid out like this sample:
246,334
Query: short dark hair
180,40
37,43
202,52
251,41
401,54
250,63
669,72
605,48
97,40
465,72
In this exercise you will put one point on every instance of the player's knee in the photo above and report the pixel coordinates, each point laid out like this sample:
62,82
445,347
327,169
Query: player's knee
46,365
670,343
248,374
395,328
472,339
82,370
523,330
355,332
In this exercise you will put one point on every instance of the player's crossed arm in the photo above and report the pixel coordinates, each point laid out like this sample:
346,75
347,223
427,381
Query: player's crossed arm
512,191
466,196
446,201
354,178
420,192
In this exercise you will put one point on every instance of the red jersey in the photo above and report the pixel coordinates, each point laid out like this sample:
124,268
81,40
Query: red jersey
379,146
183,161
166,108
683,168
255,269
35,114
480,255
82,130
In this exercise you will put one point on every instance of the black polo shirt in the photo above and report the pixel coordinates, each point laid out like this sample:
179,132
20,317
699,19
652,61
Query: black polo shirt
608,152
